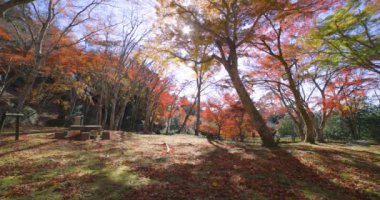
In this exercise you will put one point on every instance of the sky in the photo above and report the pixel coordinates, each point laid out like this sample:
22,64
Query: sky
179,72
146,9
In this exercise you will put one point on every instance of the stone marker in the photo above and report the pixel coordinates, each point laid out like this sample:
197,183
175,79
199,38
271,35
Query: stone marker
78,120
85,136
105,135
93,134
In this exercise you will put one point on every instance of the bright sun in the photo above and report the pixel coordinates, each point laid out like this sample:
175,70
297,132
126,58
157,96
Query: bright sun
186,30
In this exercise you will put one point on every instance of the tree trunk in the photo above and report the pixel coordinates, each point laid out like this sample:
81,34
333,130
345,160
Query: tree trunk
310,130
351,123
99,110
297,120
120,114
147,122
187,116
320,135
320,129
198,122
306,115
113,113
148,112
258,122
29,82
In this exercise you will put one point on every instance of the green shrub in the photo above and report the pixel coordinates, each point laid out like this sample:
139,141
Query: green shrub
335,128
369,123
286,127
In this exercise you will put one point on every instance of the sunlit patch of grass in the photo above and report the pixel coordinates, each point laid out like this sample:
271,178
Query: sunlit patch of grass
310,194
258,196
125,176
114,183
375,149
346,175
8,160
82,159
9,181
49,193
311,191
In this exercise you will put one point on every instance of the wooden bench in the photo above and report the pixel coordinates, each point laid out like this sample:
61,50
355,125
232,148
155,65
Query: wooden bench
81,132
60,135
86,128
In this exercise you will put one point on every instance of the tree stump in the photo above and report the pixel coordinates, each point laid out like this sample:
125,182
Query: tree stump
60,135
105,135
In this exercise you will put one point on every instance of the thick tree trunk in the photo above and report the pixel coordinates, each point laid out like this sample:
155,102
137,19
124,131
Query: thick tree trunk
310,128
306,115
26,91
258,122
298,125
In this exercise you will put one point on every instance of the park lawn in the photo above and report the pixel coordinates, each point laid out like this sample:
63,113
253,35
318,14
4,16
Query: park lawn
132,166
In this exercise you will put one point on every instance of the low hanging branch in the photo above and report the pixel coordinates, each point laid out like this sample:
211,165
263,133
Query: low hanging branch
10,4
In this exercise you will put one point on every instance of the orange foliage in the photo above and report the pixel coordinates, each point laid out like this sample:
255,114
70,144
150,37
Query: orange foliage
4,35
227,118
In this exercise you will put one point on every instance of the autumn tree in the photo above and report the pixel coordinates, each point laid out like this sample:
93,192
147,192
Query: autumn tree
228,27
131,39
173,105
214,117
188,109
349,35
12,63
237,125
275,37
269,77
188,50
155,91
349,94
40,28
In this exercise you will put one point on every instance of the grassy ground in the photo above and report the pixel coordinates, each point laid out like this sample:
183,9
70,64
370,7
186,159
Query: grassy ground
131,166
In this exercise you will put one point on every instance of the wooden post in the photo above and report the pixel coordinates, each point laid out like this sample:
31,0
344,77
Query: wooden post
17,127
17,115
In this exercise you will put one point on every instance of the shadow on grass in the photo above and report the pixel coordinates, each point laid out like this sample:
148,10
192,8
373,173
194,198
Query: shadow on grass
27,147
75,170
252,173
267,174
357,159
